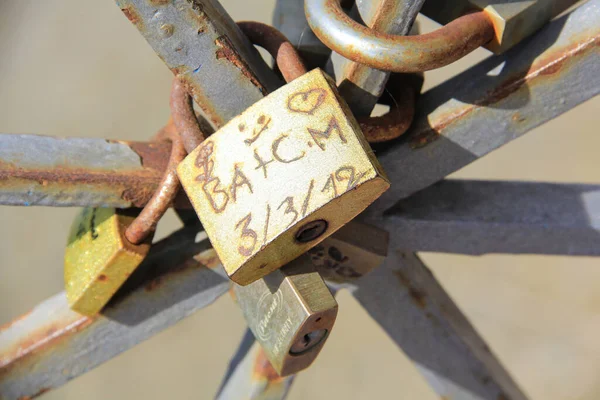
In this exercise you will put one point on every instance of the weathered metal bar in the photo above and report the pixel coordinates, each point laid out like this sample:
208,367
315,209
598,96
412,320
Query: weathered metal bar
289,18
478,217
476,112
199,41
49,171
513,20
251,376
359,84
408,302
52,344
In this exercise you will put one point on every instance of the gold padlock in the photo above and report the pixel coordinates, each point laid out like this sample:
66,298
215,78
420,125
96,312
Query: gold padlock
98,257
350,253
291,313
282,176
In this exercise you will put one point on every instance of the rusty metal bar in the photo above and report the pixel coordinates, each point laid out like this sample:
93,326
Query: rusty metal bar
251,376
199,41
396,53
405,298
52,344
476,112
49,171
479,217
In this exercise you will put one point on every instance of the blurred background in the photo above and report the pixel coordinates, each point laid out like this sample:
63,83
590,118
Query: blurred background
75,68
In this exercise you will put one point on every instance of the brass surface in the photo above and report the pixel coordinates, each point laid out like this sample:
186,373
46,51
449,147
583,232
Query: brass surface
98,258
295,157
513,20
291,313
352,252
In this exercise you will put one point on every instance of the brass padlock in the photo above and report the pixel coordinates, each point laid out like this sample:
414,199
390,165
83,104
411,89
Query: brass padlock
350,253
98,257
291,313
282,176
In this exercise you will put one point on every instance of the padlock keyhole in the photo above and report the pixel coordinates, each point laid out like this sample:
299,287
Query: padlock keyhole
311,231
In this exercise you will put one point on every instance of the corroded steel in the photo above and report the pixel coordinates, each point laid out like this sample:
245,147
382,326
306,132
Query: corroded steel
292,165
476,112
145,223
397,53
513,20
52,344
198,41
48,171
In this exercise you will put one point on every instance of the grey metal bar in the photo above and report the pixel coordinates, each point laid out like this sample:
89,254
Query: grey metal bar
360,85
52,344
251,376
199,41
290,19
475,113
408,302
48,171
478,217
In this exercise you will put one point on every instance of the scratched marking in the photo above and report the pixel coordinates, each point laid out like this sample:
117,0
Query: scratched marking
306,102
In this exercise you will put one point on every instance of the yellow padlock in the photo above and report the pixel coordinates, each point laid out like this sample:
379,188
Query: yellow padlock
282,176
98,257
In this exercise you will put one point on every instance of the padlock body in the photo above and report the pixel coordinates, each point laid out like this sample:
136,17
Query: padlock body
98,258
513,20
281,177
284,308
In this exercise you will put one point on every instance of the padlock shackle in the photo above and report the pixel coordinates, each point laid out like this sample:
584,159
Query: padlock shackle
279,47
396,53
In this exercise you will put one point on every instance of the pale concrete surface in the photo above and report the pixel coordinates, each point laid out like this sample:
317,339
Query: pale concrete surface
73,68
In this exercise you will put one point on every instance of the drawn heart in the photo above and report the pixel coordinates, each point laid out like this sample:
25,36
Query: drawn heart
306,102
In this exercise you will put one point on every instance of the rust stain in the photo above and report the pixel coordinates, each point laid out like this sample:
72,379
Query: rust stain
7,325
159,2
227,51
37,394
136,186
36,342
102,278
199,19
191,87
549,67
417,296
133,16
263,370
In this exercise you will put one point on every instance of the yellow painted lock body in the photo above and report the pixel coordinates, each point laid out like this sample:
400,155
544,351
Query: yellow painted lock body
291,313
281,177
350,253
98,258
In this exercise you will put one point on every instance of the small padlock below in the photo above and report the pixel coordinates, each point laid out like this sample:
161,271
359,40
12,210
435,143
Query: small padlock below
291,313
281,177
98,257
